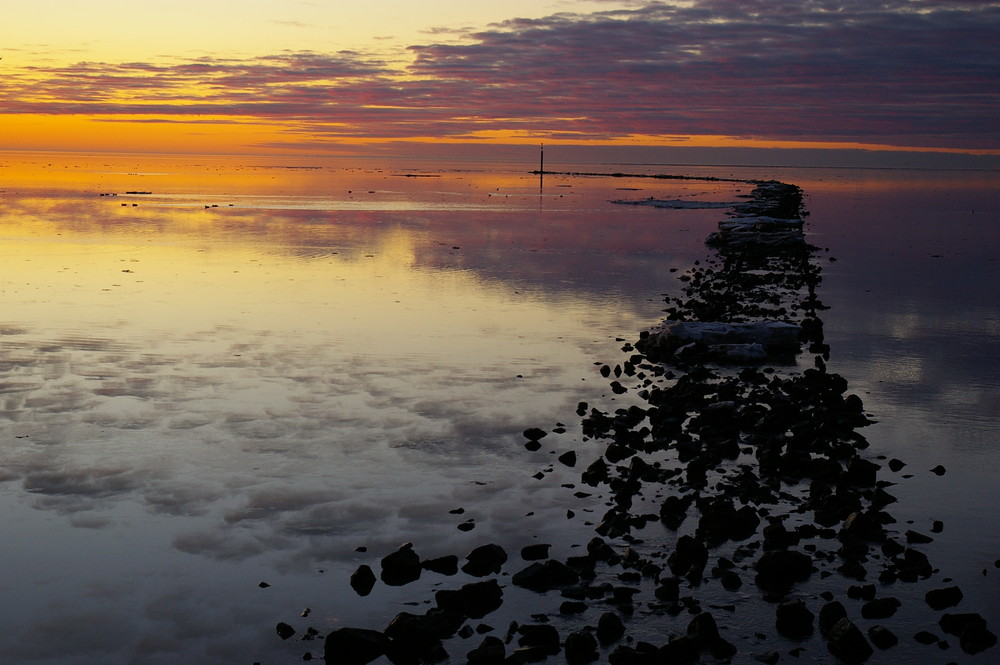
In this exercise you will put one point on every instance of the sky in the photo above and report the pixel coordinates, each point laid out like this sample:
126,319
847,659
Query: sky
328,77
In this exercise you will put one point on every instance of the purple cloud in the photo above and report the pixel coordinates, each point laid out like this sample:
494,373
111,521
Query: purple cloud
903,72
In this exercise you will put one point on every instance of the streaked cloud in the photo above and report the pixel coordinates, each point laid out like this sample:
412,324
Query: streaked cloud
900,72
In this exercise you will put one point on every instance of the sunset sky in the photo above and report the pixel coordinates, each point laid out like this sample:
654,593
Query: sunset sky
264,76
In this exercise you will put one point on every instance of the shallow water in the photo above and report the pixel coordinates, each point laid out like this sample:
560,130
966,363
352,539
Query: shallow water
259,366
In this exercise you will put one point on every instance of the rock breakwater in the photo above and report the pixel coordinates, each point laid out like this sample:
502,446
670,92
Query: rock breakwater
739,468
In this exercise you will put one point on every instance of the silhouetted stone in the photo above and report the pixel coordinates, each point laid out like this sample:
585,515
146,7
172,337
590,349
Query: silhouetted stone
781,569
421,634
794,620
703,629
535,552
674,509
882,637
917,538
284,630
880,608
363,580
939,599
971,630
680,649
545,576
485,560
580,647
534,434
401,567
354,646
568,458
609,628
542,636
474,600
688,558
846,642
443,565
491,651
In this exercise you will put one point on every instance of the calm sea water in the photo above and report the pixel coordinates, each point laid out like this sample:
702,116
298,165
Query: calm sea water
246,370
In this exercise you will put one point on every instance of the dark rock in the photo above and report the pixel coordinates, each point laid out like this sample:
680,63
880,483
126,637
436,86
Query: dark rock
545,576
491,651
444,565
669,589
896,465
703,629
568,458
914,537
354,646
862,473
925,637
688,558
534,434
610,628
363,580
794,620
914,565
596,473
846,642
937,526
882,637
572,607
939,599
580,647
485,560
474,600
284,630
938,470
616,453
642,653
780,569
539,635
777,537
679,650
401,567
422,633
881,608
535,552
673,510
971,630
830,614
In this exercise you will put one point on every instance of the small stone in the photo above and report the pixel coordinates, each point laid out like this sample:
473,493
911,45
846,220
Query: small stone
917,538
534,434
609,628
401,567
363,580
940,599
568,458
284,630
880,608
443,565
938,470
485,560
846,642
794,620
535,552
580,647
882,637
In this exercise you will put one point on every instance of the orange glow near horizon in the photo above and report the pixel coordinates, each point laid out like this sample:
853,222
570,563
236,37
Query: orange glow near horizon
234,135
